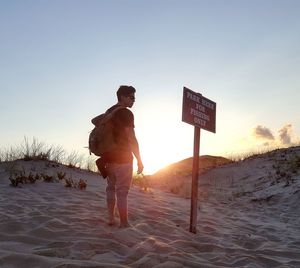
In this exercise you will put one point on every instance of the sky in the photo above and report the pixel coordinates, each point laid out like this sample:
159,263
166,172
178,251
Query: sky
62,61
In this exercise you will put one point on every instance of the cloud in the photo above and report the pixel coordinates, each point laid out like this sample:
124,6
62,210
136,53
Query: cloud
285,135
263,133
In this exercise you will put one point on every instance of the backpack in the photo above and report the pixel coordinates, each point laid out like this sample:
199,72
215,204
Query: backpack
101,139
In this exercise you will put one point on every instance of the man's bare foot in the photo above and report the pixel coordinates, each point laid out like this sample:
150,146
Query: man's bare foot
111,222
124,225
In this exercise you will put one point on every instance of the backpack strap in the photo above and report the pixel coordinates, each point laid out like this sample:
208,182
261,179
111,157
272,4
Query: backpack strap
114,109
110,114
98,119
102,118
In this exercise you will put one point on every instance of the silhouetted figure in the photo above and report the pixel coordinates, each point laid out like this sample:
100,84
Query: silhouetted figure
117,163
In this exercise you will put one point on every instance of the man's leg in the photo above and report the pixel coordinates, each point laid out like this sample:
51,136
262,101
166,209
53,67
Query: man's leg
111,196
123,183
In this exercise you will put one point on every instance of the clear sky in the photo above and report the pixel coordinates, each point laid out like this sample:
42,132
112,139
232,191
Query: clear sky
62,61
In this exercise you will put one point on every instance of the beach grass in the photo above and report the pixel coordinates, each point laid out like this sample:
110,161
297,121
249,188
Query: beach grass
35,149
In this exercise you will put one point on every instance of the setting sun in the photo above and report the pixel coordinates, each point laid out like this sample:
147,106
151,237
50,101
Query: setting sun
161,133
161,149
155,160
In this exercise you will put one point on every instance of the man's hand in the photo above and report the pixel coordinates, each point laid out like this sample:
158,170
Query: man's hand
135,148
140,167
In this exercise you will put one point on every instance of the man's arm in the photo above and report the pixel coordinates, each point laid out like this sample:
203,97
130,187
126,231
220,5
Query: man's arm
134,147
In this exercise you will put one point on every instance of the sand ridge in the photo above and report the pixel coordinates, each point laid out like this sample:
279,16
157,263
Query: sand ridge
49,225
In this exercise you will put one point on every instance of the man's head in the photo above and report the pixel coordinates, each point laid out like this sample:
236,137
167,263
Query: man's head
126,95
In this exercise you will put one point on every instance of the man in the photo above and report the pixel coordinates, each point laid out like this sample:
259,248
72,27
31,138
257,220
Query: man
118,163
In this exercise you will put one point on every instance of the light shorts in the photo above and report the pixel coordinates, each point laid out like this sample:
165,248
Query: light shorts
119,177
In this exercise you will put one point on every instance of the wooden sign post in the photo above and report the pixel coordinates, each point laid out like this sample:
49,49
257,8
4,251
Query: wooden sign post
201,113
195,174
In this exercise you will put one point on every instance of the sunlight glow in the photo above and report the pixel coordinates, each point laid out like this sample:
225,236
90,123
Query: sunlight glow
162,136
159,156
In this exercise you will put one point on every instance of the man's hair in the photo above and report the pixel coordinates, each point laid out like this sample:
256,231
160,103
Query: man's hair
125,91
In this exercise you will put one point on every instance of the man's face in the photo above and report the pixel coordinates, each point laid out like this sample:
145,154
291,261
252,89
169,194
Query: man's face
129,100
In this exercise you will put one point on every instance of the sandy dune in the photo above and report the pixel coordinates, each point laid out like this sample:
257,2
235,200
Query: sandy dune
245,219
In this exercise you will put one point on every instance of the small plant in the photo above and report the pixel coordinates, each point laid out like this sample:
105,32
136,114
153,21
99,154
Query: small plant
61,175
47,178
284,170
288,180
294,164
37,177
69,183
141,181
82,184
15,180
18,176
31,178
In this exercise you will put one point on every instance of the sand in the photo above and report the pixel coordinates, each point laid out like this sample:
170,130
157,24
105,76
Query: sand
239,224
